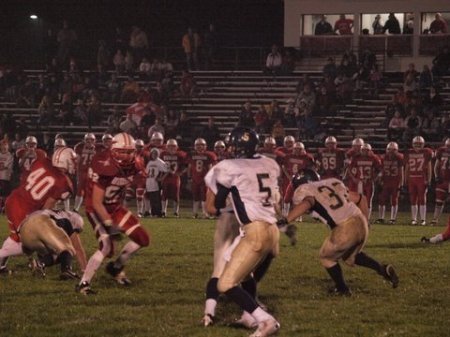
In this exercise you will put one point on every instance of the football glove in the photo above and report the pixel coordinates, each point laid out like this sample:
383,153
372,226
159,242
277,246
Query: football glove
282,222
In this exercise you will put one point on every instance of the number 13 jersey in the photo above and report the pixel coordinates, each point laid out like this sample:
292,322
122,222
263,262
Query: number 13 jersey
330,200
252,184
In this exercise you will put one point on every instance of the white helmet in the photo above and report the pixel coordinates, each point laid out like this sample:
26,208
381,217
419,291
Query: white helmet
123,149
157,136
219,144
300,147
31,142
64,158
418,142
107,136
139,143
391,147
172,145
288,139
447,142
270,141
367,147
89,137
200,144
330,140
358,142
59,142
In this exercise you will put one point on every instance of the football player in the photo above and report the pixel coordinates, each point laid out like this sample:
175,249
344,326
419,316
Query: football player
199,163
6,168
288,145
27,155
269,150
142,157
252,181
221,151
444,236
110,174
331,159
176,159
357,145
156,170
442,176
85,151
392,179
59,142
107,140
54,235
156,141
418,177
346,213
46,183
362,171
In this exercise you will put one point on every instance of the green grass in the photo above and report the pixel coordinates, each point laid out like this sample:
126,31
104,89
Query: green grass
167,295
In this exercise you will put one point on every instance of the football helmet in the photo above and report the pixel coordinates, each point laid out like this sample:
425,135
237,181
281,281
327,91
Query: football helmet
219,146
367,147
200,145
288,142
392,147
358,142
31,142
303,177
157,139
244,141
89,139
59,142
330,142
139,144
123,149
418,142
64,158
172,145
270,142
447,142
107,140
299,147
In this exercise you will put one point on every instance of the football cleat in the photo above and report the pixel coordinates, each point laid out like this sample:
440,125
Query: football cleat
379,221
247,321
84,288
118,274
68,274
37,268
434,222
291,233
208,320
424,239
390,275
423,223
340,292
413,222
140,215
5,271
266,328
392,222
176,215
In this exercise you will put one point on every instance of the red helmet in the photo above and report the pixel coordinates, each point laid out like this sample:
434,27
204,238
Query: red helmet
123,149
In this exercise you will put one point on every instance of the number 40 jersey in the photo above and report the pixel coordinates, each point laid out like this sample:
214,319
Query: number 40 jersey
252,184
330,200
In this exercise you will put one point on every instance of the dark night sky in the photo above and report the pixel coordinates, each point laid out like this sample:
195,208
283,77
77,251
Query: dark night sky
239,23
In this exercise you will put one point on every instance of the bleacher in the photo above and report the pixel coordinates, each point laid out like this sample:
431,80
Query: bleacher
222,93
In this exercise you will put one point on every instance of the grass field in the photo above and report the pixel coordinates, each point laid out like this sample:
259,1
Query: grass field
167,295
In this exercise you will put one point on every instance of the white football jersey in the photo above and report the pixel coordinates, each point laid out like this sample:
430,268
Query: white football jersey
253,186
154,169
6,165
331,200
74,218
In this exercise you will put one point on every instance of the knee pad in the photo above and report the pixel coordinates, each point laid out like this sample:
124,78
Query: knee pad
140,236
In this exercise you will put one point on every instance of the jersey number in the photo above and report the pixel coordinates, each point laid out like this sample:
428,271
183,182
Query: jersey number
415,164
329,163
39,187
336,199
264,189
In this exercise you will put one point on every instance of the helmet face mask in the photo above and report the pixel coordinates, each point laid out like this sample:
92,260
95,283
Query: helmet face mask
331,143
447,142
244,141
270,143
299,148
31,142
89,140
172,146
418,143
304,177
107,140
59,142
200,145
288,142
392,148
123,150
157,139
219,147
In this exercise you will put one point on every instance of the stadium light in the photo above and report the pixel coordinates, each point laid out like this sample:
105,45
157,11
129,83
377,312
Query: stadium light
33,17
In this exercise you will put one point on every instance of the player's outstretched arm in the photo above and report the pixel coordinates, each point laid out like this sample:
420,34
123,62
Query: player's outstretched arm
300,209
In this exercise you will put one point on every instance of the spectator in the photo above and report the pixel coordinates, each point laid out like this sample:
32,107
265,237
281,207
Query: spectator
410,83
138,43
171,122
307,95
411,70
349,70
113,120
441,63
444,130
187,84
431,125
129,62
191,44
156,70
425,78
323,27
324,103
145,69
307,125
46,110
408,29
275,112
94,110
392,26
304,80
343,26
246,115
375,78
210,133
157,127
103,56
66,39
396,127
128,125
113,89
18,142
278,132
274,61
439,25
80,114
130,90
185,130
433,99
413,123
377,26
289,113
330,68
288,63
210,44
399,98
26,94
119,62
260,119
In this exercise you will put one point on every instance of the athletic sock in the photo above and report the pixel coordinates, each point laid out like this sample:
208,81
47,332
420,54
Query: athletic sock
363,260
438,211
423,212
242,298
414,210
394,211
381,212
336,275
249,286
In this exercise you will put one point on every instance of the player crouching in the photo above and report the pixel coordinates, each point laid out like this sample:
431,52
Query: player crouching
111,173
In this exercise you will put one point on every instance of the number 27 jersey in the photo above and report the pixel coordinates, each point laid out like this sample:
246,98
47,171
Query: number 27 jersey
253,186
330,200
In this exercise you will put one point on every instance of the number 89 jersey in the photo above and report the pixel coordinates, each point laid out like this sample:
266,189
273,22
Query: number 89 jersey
252,184
330,200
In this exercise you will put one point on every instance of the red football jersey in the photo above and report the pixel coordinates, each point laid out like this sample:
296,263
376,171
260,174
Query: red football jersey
295,163
200,163
44,181
365,167
85,155
443,155
114,180
331,162
392,166
29,157
284,150
224,155
176,161
417,162
274,154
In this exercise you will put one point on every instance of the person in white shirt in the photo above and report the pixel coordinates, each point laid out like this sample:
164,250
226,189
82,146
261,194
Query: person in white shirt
346,214
251,181
274,61
6,166
156,171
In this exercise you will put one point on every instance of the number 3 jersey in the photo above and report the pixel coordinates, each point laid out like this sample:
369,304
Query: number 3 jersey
252,186
114,180
43,182
330,201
